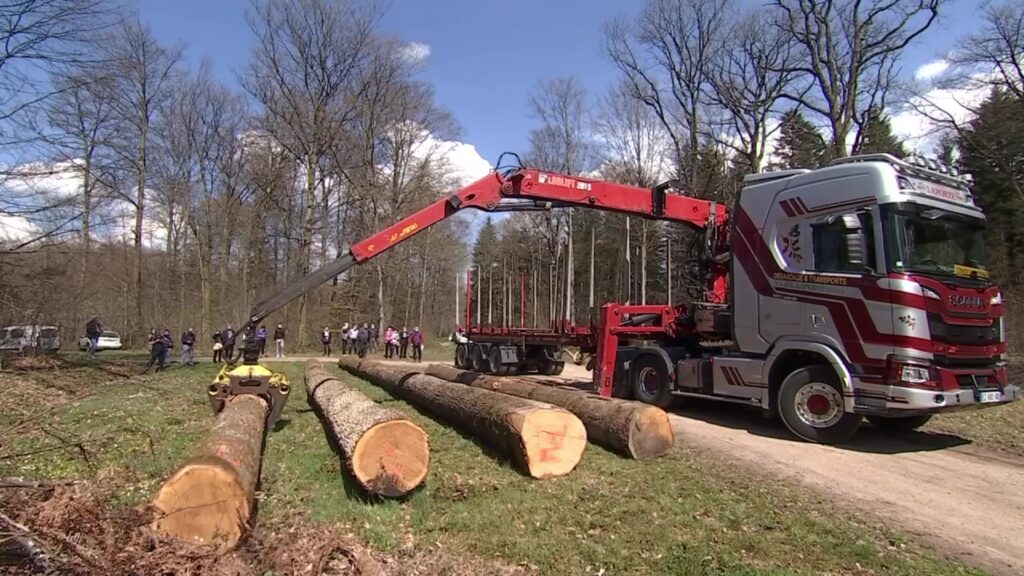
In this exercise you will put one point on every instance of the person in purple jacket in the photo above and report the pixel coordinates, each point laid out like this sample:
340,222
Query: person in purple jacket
416,340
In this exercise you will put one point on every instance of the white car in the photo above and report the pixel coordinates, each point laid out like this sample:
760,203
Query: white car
107,341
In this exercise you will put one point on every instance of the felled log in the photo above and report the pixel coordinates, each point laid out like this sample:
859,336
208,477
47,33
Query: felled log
384,451
543,440
209,500
637,430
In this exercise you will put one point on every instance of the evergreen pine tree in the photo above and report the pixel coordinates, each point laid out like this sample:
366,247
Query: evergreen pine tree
876,137
800,144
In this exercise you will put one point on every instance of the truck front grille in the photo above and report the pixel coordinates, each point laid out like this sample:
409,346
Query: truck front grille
963,335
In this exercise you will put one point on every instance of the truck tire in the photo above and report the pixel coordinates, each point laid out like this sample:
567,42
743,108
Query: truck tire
650,382
549,368
811,405
494,364
462,356
900,424
476,355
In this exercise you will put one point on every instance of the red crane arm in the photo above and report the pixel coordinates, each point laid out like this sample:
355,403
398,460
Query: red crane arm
517,190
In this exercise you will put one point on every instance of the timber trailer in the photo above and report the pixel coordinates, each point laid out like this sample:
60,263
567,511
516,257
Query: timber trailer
856,290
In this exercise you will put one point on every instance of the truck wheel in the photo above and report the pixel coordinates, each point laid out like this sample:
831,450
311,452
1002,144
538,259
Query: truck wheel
462,356
476,355
494,362
811,405
649,381
900,424
549,368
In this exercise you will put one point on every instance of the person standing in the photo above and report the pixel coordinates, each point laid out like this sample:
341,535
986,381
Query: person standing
228,338
261,340
403,343
363,340
279,340
93,329
373,338
157,351
218,347
188,343
325,339
344,339
388,334
353,336
416,339
168,346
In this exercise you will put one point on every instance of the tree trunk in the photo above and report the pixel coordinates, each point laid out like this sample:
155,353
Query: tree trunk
306,243
140,208
385,452
209,500
632,429
543,440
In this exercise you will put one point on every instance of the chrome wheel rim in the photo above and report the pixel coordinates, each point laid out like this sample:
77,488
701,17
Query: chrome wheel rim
818,405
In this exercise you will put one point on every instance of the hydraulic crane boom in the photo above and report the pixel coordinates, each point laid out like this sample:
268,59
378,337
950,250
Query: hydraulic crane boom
525,189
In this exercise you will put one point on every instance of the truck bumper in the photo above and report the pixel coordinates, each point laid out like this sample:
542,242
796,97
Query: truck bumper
900,400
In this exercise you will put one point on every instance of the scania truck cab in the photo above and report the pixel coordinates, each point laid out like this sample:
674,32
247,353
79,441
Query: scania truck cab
856,290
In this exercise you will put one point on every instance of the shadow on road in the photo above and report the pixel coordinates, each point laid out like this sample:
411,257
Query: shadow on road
868,438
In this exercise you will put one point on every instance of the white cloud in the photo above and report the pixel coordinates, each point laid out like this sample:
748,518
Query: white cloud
916,123
931,69
60,179
415,52
16,228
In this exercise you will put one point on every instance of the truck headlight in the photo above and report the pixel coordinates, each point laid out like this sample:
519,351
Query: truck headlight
915,374
996,300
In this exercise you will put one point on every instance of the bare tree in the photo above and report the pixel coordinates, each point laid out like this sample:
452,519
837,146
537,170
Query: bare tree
747,80
38,36
561,144
665,58
992,57
143,73
849,51
309,59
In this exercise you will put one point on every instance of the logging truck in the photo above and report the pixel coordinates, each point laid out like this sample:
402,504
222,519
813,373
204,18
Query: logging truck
826,296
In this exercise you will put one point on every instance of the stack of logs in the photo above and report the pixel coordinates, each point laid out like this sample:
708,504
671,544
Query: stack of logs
542,429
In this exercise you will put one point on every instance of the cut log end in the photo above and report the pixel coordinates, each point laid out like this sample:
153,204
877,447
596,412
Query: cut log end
391,458
553,440
203,503
652,435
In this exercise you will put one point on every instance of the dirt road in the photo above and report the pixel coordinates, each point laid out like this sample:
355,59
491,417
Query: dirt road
960,500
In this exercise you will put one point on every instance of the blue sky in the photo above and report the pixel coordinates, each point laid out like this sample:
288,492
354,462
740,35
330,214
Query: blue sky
485,56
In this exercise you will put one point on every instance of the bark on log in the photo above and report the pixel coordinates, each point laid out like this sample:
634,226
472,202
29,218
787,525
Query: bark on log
385,452
637,430
209,500
543,440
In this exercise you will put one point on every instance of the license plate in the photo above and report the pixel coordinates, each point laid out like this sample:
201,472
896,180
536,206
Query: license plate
991,397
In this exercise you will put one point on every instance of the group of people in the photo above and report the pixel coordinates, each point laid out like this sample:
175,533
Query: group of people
356,339
224,342
161,344
365,339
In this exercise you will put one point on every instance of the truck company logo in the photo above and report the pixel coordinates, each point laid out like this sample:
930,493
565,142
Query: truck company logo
563,182
909,321
791,244
961,301
809,278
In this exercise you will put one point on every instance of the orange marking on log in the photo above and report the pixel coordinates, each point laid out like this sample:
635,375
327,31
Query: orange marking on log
555,440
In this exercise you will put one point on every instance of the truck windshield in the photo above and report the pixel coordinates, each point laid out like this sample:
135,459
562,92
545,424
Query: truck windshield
935,241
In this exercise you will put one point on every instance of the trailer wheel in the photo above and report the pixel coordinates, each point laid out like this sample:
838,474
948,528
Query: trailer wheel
462,356
900,424
649,381
476,355
494,362
811,405
548,368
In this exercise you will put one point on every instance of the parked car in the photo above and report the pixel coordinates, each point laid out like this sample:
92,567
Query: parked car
108,340
30,337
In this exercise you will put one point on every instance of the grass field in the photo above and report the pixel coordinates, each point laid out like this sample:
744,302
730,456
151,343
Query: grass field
682,514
